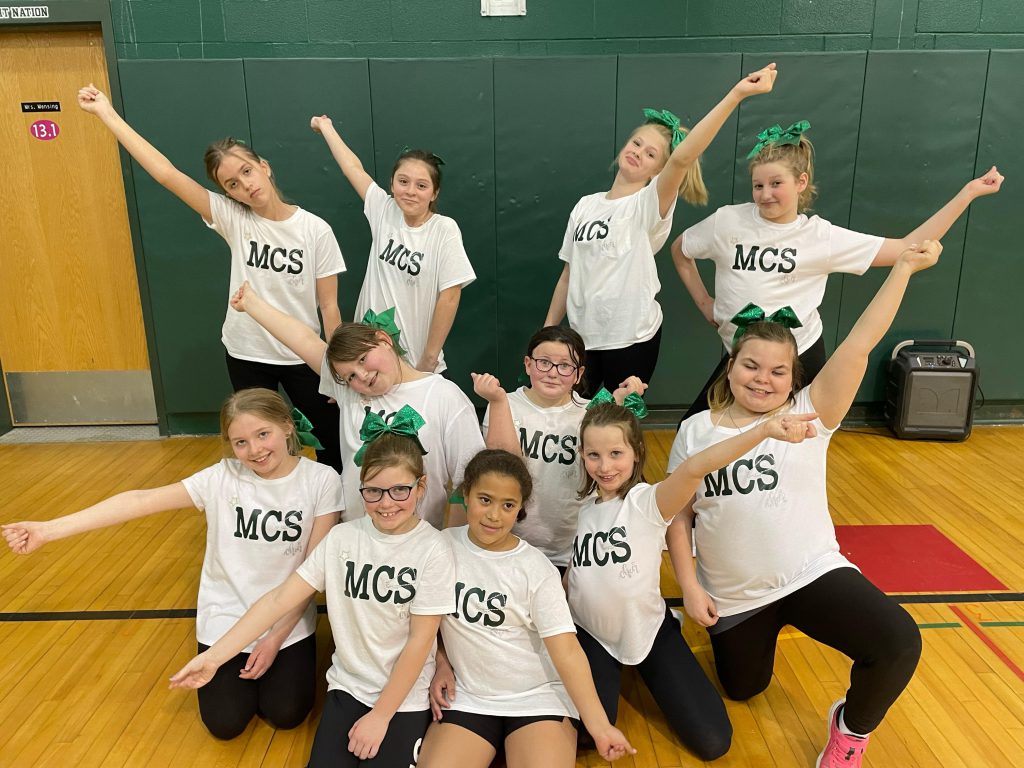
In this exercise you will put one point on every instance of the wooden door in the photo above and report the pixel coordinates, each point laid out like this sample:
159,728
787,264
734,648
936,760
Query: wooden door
72,344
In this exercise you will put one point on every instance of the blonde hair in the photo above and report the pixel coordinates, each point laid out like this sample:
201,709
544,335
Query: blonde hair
612,415
216,151
262,403
720,395
390,450
798,158
692,188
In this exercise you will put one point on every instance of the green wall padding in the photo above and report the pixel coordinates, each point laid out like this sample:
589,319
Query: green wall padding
918,140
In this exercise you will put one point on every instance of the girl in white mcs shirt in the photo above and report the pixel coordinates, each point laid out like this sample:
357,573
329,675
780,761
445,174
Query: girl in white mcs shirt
364,370
521,674
609,282
288,254
417,262
767,554
389,578
541,423
771,254
266,508
614,581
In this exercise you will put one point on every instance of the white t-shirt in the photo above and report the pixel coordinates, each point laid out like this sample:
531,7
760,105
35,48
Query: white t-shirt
408,267
451,435
374,583
257,532
615,577
548,438
282,261
506,603
763,529
609,246
775,265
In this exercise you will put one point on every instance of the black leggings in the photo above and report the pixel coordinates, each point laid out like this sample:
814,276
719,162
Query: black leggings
399,749
303,388
283,695
691,705
812,360
610,367
845,611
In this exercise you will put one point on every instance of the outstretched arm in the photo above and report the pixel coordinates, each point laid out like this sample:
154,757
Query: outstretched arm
574,669
346,159
678,488
26,537
188,190
556,310
834,388
689,150
939,223
440,326
294,334
687,270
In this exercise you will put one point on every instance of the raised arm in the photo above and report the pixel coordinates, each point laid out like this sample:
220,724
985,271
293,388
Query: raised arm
294,334
26,537
689,150
327,300
440,326
939,223
834,388
346,159
501,428
677,489
187,189
687,270
556,310
574,669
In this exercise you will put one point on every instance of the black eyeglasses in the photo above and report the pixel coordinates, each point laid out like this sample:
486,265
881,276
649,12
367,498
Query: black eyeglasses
564,369
397,492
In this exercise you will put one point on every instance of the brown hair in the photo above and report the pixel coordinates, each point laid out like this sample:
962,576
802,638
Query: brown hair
222,148
612,415
350,341
391,450
720,395
561,334
692,188
433,163
798,158
263,403
498,462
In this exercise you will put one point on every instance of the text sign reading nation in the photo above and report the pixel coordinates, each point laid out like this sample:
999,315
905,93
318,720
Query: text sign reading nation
40,106
24,11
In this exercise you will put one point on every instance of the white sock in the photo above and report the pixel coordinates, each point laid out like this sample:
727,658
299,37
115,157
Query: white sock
847,731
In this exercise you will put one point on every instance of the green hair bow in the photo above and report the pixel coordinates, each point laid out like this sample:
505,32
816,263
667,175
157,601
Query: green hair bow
633,402
385,321
666,118
437,158
754,314
304,430
776,136
406,422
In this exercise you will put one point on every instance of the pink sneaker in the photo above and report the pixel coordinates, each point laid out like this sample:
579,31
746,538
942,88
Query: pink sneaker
841,751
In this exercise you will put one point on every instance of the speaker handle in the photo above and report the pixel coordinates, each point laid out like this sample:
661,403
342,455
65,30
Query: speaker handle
945,343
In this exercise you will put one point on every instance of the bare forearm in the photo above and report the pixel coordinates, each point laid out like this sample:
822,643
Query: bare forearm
702,134
145,154
556,310
879,314
440,326
403,675
331,316
687,271
501,428
264,613
347,160
680,549
574,669
293,333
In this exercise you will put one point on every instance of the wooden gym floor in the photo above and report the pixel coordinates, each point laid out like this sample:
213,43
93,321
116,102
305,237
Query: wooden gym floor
92,627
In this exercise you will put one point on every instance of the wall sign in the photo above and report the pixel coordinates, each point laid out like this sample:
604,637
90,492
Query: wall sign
24,11
44,130
40,106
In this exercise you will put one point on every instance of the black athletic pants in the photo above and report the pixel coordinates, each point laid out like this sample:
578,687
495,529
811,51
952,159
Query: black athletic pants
610,367
845,611
399,749
303,388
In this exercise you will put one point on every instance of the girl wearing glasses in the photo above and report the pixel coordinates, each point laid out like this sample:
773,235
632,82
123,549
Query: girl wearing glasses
541,423
389,578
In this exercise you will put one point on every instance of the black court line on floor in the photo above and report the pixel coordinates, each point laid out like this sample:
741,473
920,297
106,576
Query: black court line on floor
673,602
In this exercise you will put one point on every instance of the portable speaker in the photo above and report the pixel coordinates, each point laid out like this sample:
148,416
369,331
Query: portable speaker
930,391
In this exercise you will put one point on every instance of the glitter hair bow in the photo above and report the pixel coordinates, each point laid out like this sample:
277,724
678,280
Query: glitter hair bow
633,402
304,430
406,422
670,121
776,136
754,314
385,321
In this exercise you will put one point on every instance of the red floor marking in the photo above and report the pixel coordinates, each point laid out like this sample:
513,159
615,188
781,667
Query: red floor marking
988,641
913,558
